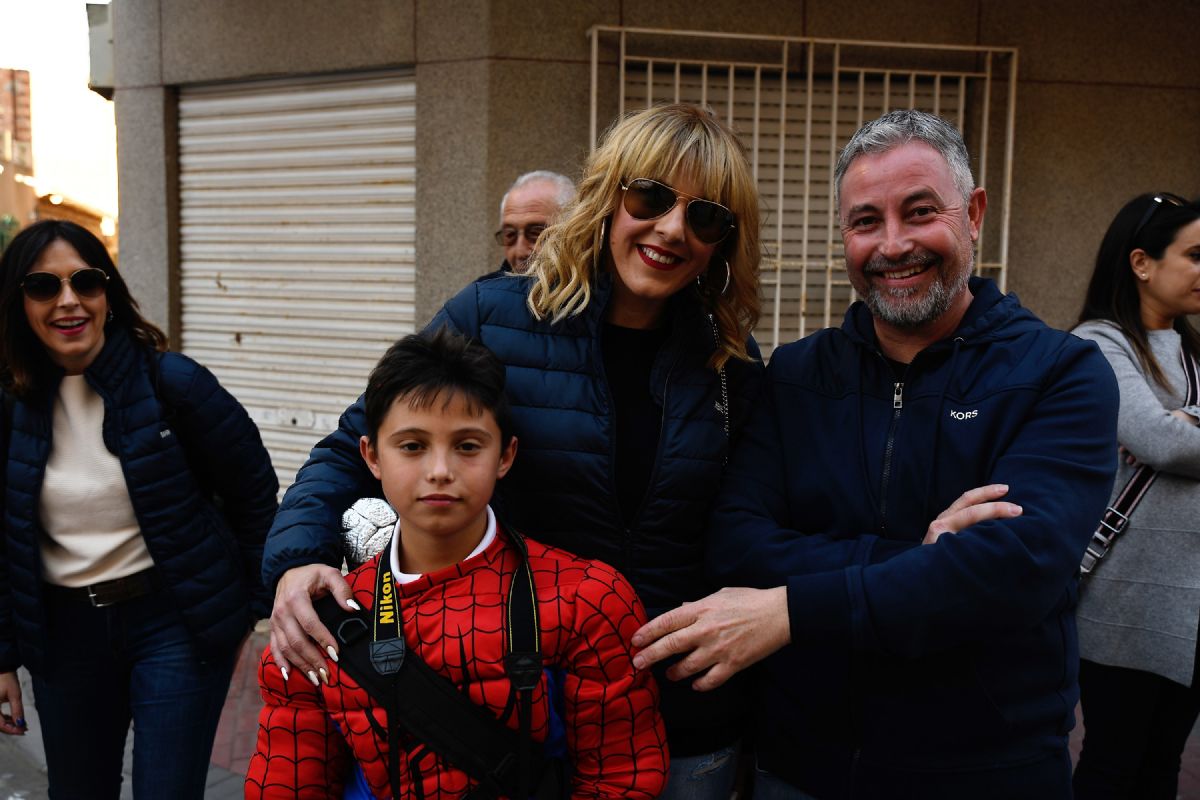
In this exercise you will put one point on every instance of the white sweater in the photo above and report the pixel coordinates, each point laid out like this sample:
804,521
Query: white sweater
90,531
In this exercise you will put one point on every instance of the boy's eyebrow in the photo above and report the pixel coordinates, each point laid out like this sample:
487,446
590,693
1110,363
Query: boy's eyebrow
415,431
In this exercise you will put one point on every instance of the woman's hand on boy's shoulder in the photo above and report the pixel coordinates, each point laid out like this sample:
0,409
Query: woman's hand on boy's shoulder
298,639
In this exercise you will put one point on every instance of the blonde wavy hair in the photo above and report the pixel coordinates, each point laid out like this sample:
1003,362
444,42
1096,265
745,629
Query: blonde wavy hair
664,143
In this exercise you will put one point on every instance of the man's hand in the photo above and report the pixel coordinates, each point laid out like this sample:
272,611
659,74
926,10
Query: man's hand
972,507
12,723
298,639
723,633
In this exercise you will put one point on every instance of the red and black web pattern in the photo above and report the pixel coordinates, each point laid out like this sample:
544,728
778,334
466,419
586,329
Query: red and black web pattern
455,619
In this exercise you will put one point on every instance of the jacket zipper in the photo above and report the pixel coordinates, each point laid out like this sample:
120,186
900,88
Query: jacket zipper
897,408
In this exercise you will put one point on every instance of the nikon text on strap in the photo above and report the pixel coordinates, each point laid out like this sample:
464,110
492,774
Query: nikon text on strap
1117,515
427,705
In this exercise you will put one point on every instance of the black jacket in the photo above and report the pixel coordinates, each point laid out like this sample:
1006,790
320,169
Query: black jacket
210,561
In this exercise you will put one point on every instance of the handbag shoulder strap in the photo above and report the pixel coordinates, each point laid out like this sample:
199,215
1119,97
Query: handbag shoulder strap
1116,516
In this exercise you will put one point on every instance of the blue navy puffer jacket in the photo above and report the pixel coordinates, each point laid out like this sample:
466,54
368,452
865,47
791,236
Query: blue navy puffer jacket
210,561
561,489
912,663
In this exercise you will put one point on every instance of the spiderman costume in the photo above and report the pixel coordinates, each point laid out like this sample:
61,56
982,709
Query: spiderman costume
454,619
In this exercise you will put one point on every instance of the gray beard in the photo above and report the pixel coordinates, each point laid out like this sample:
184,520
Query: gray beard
907,308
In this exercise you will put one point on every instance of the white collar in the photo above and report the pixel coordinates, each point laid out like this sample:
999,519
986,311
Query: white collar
407,577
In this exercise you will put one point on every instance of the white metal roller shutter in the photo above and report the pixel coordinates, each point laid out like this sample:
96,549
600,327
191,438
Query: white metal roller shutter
297,243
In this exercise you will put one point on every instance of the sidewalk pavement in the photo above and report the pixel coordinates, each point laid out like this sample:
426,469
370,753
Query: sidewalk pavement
22,763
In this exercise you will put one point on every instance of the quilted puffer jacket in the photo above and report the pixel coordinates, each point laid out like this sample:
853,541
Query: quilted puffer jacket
181,448
562,488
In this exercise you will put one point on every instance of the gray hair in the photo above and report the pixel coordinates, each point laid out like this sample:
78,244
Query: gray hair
564,186
901,127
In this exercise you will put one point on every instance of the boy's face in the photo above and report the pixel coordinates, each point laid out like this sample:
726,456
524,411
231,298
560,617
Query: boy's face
438,466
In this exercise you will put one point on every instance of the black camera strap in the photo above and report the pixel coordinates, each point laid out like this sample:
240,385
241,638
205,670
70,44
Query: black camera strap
428,706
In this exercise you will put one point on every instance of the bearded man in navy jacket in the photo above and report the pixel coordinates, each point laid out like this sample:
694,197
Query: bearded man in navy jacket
906,512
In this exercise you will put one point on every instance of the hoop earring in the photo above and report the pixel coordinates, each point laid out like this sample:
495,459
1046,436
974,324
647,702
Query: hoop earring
700,284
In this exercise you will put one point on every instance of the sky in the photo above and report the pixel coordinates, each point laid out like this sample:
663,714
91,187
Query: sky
74,135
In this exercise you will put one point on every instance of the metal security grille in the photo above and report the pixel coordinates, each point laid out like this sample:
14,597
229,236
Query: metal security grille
795,102
297,243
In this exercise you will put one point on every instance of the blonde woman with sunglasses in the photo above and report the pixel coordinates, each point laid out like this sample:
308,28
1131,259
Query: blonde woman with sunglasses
1140,607
123,589
630,370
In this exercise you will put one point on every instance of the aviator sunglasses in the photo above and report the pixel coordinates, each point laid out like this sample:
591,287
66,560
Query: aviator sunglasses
41,287
648,199
507,236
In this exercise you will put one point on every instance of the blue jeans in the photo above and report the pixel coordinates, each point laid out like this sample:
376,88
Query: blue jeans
107,666
768,787
704,777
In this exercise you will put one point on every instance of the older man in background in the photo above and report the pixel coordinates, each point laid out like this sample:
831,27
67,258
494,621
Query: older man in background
529,205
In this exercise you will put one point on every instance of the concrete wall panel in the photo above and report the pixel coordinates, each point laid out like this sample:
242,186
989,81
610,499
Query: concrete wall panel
231,39
137,33
750,16
453,212
1100,41
1082,152
452,31
955,22
147,169
542,31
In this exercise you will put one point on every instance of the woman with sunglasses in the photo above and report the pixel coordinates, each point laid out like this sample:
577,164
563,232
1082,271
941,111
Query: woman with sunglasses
124,590
1140,607
630,368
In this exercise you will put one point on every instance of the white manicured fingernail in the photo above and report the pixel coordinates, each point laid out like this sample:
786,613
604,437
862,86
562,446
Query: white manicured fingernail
353,605
324,676
332,653
312,676
283,671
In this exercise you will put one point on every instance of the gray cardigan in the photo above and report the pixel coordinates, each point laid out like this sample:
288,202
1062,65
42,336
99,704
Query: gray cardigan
1141,606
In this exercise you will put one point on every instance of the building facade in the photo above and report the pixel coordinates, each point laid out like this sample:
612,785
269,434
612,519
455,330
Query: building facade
17,196
302,182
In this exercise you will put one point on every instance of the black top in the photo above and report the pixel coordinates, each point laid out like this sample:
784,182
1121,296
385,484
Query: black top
629,355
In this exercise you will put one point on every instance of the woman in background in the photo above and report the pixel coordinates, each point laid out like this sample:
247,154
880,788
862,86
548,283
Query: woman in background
1139,610
124,590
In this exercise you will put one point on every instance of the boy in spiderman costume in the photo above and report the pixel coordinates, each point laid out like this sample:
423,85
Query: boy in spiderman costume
439,439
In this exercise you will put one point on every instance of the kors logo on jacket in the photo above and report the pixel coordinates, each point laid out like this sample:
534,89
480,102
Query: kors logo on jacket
961,415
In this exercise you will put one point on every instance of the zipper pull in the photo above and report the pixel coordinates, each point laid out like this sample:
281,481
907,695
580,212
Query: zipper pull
898,396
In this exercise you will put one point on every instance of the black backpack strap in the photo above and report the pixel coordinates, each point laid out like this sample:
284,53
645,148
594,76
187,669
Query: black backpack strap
523,663
431,708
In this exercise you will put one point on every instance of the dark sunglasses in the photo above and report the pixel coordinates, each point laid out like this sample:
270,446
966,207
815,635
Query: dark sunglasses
508,236
42,287
1155,205
648,199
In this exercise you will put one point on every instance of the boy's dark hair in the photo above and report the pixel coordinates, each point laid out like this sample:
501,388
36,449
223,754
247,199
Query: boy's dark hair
424,367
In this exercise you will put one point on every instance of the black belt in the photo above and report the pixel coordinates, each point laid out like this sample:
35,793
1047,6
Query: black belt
118,590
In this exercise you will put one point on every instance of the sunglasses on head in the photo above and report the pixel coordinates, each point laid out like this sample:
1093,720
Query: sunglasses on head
1157,203
649,199
507,236
42,287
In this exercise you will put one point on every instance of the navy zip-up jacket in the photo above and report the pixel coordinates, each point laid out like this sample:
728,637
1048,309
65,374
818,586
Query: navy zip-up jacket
960,655
209,561
561,489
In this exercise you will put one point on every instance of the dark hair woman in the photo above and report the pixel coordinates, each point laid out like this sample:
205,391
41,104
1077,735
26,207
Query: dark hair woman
630,366
1138,612
124,590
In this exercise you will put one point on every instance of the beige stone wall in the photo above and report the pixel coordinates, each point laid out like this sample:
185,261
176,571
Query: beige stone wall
1108,104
